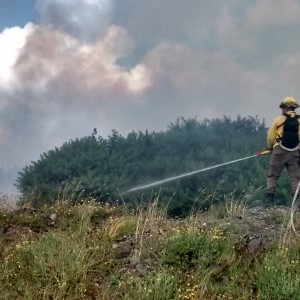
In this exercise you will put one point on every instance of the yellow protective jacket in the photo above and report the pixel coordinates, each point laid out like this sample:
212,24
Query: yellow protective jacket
276,130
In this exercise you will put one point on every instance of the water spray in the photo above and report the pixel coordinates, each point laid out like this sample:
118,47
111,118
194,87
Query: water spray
142,187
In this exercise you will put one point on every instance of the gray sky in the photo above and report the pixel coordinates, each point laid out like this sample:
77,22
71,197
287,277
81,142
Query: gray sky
68,66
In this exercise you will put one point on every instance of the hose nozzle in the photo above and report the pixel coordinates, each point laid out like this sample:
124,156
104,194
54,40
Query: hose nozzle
263,152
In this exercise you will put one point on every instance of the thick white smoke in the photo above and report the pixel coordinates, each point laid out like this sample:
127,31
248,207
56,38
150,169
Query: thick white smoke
12,41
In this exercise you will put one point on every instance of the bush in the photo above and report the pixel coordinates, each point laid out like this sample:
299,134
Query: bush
190,249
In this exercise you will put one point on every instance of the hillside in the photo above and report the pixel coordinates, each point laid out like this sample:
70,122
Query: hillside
99,251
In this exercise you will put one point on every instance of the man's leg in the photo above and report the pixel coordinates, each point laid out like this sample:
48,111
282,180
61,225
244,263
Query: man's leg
275,167
293,169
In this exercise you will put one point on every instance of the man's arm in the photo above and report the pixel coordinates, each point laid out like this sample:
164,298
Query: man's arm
273,132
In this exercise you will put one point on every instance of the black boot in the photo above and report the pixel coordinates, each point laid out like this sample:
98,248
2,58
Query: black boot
269,202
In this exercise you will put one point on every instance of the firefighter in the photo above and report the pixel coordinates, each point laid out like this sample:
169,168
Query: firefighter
283,141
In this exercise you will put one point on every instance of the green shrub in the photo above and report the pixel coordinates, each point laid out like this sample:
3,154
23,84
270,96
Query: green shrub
189,249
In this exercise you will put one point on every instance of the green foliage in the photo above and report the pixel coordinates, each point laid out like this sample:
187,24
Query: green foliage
99,168
54,267
190,249
277,277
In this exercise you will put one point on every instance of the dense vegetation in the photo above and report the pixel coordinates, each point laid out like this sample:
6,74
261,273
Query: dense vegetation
97,251
102,168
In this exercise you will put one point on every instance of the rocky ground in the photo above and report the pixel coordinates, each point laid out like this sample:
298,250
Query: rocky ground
253,228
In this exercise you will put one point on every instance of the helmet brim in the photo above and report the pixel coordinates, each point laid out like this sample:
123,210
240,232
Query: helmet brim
284,105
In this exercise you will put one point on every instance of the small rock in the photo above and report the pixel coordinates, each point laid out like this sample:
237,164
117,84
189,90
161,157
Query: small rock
123,250
254,245
53,217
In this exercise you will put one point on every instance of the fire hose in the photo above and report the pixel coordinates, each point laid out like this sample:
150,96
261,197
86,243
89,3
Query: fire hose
142,187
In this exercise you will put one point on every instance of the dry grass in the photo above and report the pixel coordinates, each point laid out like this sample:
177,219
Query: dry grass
8,202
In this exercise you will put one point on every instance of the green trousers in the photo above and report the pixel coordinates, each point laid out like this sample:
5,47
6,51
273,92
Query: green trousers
281,159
